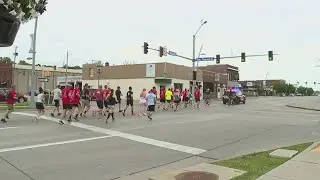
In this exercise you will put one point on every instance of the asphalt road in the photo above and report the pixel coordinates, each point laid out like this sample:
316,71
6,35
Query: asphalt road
133,148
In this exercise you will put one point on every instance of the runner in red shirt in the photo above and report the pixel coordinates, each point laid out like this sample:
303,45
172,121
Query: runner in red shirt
162,98
11,99
66,103
106,94
75,101
185,95
99,94
197,95
154,90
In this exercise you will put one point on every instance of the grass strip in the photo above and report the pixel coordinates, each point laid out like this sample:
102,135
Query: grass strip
258,164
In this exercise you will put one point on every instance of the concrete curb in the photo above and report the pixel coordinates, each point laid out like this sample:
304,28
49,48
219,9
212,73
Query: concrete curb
267,175
299,107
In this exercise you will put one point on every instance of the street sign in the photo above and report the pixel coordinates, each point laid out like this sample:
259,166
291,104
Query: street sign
43,79
171,53
205,59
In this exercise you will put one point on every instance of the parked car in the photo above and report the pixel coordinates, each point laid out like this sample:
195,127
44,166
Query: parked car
238,98
21,97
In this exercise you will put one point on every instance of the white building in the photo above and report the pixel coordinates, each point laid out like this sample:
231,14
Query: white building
140,76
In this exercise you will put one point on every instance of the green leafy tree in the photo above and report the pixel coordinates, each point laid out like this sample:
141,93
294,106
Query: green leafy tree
280,88
290,89
23,62
301,90
310,91
5,60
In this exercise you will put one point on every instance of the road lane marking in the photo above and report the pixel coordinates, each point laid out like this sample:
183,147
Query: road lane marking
51,144
9,128
154,142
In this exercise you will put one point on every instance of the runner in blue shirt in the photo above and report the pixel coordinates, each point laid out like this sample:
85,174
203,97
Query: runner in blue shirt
151,100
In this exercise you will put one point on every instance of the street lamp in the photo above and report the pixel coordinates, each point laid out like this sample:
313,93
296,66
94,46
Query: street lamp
33,73
99,72
194,75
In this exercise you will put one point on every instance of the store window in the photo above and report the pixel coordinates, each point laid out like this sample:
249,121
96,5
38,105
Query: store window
178,86
91,72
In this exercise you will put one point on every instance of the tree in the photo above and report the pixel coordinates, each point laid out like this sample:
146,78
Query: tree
310,91
5,60
301,90
72,67
23,62
75,67
284,88
291,89
280,88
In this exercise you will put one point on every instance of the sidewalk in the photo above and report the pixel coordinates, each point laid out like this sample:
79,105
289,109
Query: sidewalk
313,105
304,166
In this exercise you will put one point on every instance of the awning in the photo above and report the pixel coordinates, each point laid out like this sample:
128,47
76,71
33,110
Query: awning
163,81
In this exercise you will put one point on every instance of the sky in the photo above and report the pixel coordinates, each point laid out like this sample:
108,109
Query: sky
114,31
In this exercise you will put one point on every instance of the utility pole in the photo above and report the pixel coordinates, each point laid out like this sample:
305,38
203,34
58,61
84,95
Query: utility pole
194,72
33,73
15,54
99,72
67,63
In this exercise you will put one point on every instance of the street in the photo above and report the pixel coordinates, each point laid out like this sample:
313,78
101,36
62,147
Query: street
134,148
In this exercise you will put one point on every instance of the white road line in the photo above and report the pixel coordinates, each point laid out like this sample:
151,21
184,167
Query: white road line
51,144
9,128
163,144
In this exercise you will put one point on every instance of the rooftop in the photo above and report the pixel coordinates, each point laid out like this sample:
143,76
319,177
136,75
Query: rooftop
40,68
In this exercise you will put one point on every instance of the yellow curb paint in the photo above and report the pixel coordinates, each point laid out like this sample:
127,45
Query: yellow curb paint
317,149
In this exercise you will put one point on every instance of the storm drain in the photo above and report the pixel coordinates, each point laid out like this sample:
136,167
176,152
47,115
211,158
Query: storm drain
196,175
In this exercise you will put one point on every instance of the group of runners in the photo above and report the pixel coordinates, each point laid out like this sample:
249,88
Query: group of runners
77,103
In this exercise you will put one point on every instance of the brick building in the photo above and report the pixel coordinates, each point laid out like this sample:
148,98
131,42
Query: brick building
6,75
218,77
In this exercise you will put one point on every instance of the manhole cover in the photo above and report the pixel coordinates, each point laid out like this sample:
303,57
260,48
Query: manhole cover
197,175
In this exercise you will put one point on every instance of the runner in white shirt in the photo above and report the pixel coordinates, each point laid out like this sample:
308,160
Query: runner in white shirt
56,100
40,103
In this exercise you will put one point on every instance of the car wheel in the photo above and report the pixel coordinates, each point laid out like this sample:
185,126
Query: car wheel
244,101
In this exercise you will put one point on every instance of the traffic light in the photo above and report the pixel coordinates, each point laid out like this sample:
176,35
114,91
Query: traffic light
314,83
243,57
145,47
218,58
161,50
270,55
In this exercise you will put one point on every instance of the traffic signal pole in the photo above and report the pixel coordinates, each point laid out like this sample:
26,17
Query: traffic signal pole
175,55
255,55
